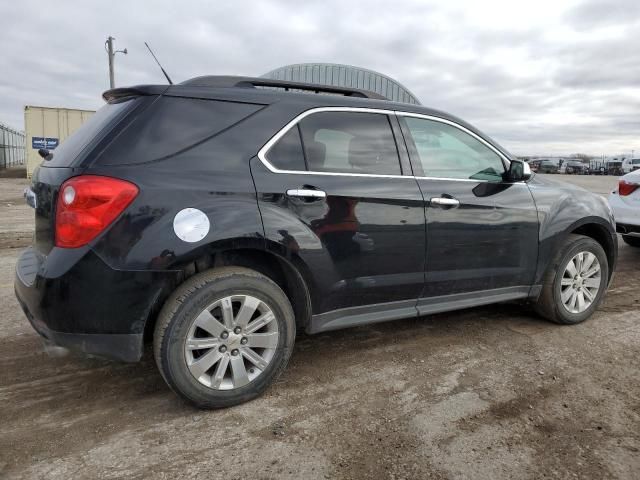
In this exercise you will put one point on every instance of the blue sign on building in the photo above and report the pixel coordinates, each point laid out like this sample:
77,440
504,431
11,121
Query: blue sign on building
42,142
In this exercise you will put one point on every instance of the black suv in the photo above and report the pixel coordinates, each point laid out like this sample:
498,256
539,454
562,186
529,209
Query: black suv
219,216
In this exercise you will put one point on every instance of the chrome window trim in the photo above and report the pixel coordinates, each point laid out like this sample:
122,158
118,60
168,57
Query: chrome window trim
450,179
263,151
505,160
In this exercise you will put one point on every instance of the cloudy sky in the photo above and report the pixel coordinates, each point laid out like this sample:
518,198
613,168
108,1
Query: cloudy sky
541,77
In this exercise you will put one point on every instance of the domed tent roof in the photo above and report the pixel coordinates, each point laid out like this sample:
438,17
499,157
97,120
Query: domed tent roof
344,76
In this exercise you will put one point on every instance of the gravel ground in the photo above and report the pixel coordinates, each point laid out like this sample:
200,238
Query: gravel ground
491,392
16,217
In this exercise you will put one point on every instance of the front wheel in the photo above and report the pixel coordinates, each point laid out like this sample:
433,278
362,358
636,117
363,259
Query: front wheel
631,240
224,336
575,282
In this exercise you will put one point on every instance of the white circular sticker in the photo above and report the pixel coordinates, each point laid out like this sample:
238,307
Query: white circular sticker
191,225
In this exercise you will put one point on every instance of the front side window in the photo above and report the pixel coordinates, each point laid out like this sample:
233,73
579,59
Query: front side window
350,142
445,151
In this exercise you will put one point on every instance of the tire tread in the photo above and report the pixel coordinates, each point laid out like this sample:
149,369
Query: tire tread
177,299
546,306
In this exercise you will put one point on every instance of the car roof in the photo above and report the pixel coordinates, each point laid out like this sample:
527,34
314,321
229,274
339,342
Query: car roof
266,92
299,96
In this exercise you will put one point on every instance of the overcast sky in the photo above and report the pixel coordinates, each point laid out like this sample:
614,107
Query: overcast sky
541,77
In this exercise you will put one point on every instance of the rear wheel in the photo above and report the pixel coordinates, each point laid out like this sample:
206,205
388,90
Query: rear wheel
631,240
575,282
224,336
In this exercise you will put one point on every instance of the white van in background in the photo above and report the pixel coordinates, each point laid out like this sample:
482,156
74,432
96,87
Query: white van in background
630,164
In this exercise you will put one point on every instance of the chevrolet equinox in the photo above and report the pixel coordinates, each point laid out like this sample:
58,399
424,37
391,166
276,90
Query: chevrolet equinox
218,216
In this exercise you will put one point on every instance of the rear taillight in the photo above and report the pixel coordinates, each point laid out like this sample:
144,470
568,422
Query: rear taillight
87,205
626,188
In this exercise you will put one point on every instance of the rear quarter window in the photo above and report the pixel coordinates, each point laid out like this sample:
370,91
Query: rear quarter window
171,125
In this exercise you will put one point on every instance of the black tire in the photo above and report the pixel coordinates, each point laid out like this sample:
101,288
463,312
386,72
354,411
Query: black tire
631,240
188,301
549,304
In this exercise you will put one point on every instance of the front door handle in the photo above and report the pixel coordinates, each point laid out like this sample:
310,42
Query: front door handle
306,193
445,202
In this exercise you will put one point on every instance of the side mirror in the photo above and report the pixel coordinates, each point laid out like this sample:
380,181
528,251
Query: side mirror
519,171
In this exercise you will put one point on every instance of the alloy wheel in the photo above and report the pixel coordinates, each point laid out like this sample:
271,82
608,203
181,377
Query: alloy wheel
580,282
231,342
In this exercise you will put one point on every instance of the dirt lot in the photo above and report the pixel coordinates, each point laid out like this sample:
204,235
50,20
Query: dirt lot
491,392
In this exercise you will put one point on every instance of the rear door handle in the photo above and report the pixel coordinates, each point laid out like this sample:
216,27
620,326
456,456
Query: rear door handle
306,193
445,202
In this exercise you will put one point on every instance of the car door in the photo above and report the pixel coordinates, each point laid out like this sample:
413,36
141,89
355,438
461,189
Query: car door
482,231
335,192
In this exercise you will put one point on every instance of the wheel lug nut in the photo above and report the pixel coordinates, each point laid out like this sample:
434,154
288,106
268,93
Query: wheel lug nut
237,330
234,352
223,348
224,335
244,340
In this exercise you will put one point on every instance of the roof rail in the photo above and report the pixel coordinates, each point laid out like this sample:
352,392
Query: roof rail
222,81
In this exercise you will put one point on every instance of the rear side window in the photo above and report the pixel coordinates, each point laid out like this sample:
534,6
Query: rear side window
90,131
350,142
338,142
171,125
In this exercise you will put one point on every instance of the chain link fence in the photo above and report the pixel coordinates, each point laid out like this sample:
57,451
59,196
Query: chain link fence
12,147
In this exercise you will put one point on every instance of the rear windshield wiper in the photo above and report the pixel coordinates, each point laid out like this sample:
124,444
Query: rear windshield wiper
46,154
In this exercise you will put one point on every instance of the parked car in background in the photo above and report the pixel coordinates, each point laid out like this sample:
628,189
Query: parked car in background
625,202
597,167
614,167
597,170
547,166
576,168
217,217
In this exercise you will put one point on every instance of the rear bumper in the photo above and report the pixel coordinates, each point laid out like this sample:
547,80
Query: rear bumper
116,346
627,216
74,300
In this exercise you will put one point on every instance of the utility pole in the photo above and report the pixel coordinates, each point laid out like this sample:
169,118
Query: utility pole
112,54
